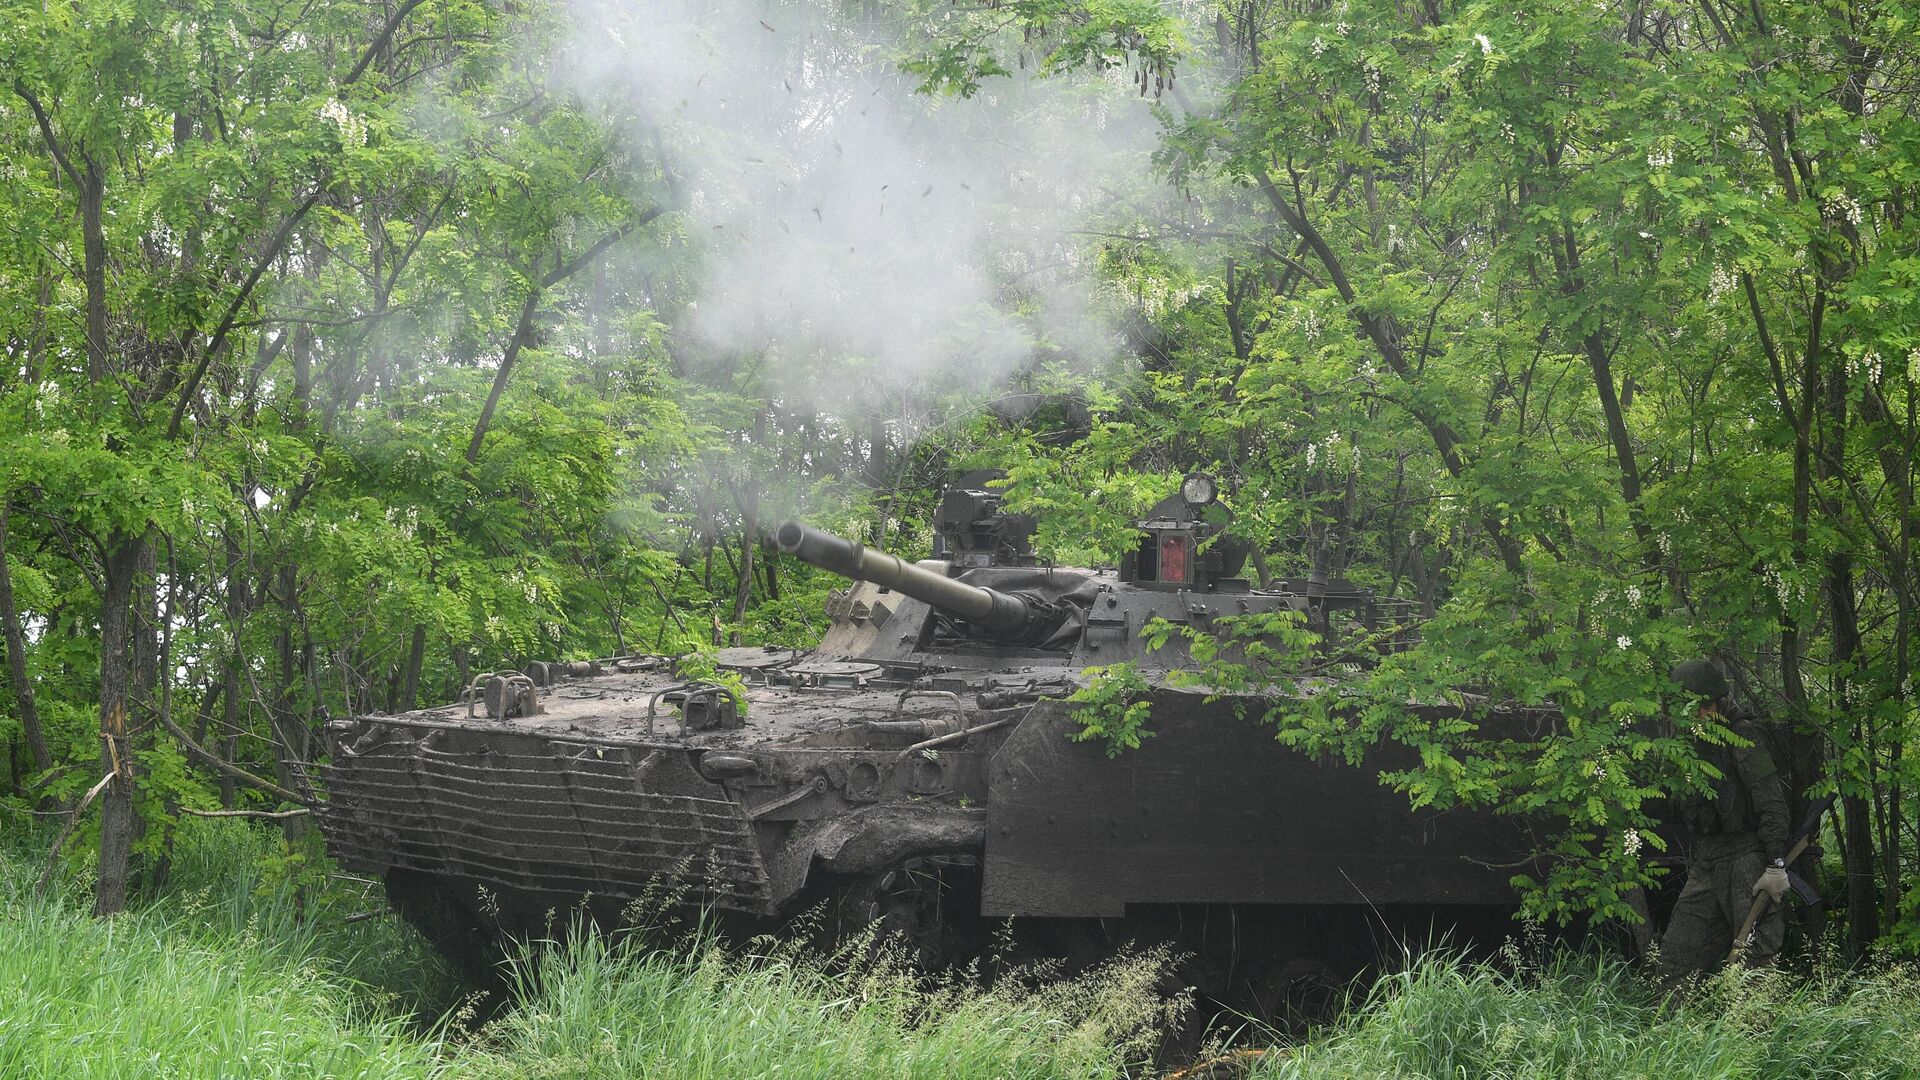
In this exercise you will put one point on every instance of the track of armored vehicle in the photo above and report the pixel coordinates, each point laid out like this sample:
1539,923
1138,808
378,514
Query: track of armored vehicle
917,767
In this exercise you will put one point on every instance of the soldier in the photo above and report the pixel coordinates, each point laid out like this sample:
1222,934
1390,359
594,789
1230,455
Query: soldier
1739,835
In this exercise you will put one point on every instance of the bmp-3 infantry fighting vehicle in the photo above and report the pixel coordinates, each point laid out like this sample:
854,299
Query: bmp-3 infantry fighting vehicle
917,768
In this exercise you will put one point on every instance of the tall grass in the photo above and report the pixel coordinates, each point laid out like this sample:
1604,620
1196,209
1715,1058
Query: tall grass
245,968
1583,1016
596,1010
223,977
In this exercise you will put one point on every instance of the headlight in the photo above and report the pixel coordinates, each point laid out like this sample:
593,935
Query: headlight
1199,489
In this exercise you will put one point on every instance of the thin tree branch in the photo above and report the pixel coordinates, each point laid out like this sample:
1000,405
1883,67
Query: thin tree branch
46,132
40,887
278,241
567,270
215,762
380,42
523,329
275,815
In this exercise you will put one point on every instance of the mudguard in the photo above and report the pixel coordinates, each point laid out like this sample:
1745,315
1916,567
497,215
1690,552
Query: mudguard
1212,809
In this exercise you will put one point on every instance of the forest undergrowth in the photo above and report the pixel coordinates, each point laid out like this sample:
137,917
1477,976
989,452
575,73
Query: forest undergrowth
244,964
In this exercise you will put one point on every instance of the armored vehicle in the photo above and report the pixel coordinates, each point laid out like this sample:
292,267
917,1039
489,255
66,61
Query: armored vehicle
919,767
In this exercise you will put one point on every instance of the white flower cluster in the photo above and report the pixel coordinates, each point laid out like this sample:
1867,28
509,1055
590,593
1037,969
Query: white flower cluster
1318,48
1506,132
1324,446
1633,597
1624,642
1720,284
1156,297
1372,75
1630,842
1486,46
1866,364
1913,366
353,129
1844,207
1661,158
1786,591
1342,29
1666,544
406,524
495,626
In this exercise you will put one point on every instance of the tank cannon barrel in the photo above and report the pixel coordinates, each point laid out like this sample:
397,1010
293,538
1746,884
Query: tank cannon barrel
1008,616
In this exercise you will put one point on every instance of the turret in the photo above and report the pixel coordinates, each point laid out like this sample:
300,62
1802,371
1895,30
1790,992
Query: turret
1174,552
1017,618
971,529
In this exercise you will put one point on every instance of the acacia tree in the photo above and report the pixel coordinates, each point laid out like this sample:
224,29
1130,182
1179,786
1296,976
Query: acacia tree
349,350
1574,322
236,223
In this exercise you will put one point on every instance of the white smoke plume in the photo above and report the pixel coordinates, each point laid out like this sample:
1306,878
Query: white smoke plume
866,239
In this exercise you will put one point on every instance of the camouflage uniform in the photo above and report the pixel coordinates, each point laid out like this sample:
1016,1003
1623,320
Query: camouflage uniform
1737,831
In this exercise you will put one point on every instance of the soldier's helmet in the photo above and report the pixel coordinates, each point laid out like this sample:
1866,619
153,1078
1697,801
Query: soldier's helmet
1700,677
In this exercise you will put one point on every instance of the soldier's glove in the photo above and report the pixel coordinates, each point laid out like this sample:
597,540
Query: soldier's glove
1773,882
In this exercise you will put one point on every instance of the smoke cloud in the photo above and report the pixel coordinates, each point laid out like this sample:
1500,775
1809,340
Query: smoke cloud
867,239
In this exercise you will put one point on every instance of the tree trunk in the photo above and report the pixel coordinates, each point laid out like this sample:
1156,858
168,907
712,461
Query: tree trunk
286,717
416,657
93,194
16,642
770,568
228,747
749,541
1894,439
522,335
1806,753
145,699
239,602
124,556
1863,899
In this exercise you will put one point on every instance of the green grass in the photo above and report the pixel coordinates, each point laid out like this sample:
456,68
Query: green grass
245,967
1583,1016
225,976
608,1012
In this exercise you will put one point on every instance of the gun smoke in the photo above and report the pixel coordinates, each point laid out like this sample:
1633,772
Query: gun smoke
875,245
